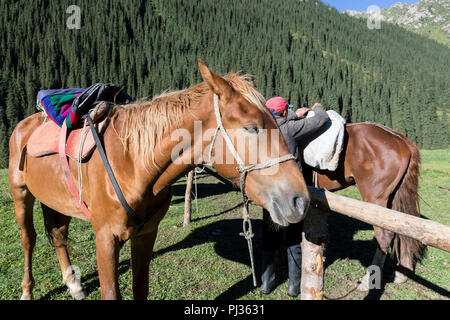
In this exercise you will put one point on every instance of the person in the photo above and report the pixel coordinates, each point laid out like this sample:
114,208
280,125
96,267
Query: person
294,127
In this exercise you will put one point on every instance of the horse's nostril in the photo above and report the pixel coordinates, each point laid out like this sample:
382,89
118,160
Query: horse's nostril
299,203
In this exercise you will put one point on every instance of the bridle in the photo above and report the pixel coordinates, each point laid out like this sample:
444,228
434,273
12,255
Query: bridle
243,171
242,168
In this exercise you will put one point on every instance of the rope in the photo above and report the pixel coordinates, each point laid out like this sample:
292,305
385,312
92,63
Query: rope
315,179
80,154
196,192
247,233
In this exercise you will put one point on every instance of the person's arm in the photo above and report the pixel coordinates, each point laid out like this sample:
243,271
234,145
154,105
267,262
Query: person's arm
301,128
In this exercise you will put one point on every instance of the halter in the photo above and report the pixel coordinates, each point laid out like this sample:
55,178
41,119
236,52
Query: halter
243,171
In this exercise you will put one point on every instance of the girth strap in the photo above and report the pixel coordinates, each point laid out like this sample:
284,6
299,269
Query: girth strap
68,175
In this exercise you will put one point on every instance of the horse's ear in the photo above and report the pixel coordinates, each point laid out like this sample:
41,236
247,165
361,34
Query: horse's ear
216,83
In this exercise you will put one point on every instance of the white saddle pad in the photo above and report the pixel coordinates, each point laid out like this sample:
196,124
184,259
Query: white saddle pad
324,150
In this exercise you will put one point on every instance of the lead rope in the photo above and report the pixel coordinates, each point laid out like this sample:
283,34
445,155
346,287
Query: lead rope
247,231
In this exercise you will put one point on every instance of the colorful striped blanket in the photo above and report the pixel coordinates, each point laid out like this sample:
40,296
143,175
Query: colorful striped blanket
71,105
57,103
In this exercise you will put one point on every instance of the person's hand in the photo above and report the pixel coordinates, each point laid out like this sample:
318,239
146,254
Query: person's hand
302,112
316,105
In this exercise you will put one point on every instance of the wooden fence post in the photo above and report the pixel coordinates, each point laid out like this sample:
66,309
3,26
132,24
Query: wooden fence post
187,199
314,239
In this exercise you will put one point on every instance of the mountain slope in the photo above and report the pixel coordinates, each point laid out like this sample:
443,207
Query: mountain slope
430,18
302,50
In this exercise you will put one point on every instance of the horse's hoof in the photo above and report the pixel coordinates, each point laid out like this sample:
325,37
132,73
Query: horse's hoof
76,289
400,277
363,284
27,296
78,295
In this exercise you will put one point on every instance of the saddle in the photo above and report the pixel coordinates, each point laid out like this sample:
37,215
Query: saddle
80,143
67,140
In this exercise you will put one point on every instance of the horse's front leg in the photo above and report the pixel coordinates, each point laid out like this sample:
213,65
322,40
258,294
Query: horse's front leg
141,254
142,246
108,247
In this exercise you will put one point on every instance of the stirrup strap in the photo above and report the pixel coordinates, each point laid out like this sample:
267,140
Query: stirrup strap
68,175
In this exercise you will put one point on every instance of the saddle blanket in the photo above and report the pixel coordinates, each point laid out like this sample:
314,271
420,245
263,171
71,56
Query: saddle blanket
57,103
72,105
44,141
324,148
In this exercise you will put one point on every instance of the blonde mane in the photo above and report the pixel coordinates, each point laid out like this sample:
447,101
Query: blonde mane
146,122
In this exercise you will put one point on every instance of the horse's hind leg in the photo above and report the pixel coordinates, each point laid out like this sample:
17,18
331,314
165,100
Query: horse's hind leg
406,261
384,239
23,204
57,226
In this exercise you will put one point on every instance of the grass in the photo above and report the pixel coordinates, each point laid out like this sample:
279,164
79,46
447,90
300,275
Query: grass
209,260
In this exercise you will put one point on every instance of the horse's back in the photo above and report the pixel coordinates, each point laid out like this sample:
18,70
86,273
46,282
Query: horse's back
24,129
378,156
372,137
20,136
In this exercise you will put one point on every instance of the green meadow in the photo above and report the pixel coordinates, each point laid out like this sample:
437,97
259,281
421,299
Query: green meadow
209,260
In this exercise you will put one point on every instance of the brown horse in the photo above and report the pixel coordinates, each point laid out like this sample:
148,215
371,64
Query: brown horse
384,165
139,145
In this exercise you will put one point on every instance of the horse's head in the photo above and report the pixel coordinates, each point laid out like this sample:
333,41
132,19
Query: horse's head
273,179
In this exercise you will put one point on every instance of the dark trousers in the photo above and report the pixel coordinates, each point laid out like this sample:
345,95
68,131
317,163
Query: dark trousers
275,238
276,242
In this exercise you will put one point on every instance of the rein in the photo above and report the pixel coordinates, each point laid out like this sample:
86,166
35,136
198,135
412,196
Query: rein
243,171
76,194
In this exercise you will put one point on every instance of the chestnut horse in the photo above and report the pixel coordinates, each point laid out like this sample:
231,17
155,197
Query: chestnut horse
139,145
384,165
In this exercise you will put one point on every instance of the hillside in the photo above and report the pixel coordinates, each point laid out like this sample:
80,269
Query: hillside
430,18
302,50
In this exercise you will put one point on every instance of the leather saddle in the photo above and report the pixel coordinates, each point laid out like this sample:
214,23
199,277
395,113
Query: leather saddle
45,140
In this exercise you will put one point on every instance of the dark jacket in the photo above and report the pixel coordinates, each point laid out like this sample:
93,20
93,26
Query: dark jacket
295,129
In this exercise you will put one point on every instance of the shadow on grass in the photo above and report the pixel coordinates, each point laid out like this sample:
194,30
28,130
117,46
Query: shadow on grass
204,190
229,245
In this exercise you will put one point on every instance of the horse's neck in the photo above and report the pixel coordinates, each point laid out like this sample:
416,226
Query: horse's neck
178,164
169,166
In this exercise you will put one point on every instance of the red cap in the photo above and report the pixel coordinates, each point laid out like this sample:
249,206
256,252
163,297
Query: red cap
277,104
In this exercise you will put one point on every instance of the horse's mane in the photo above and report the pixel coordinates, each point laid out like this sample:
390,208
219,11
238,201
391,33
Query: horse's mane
146,122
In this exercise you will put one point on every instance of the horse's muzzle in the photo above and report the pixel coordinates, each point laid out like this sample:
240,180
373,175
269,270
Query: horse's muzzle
288,209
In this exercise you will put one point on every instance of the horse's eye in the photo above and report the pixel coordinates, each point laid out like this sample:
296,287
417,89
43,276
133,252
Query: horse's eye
252,128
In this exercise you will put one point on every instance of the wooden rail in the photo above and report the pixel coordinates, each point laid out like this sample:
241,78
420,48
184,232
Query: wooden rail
426,231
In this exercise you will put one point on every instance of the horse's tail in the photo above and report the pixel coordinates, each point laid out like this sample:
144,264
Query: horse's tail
406,199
